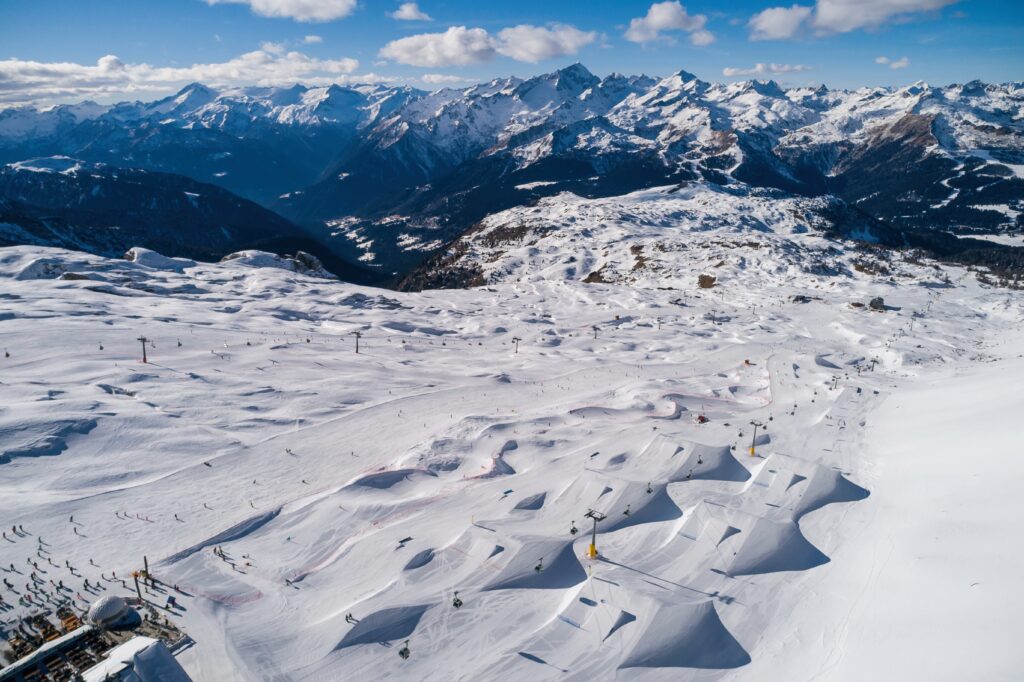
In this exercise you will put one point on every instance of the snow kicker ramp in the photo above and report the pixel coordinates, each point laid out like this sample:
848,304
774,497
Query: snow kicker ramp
685,635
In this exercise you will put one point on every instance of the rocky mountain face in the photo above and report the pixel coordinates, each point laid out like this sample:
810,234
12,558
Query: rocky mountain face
918,157
68,203
388,176
255,142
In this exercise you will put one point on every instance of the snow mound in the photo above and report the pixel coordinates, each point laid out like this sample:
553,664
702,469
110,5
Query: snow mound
384,626
301,263
42,268
560,569
686,635
152,259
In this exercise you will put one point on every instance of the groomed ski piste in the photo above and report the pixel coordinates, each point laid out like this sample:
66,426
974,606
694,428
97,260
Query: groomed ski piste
352,494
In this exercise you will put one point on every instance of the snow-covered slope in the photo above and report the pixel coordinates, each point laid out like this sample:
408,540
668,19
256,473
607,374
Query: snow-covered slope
660,237
353,494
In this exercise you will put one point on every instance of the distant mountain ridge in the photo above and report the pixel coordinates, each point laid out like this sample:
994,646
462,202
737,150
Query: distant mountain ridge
68,203
390,175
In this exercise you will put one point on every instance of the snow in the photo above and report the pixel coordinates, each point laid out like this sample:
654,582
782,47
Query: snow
50,164
152,259
140,659
1006,238
1010,212
439,459
986,155
926,567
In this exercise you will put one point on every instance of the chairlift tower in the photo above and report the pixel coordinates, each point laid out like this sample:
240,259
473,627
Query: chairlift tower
358,335
516,340
596,516
753,440
144,341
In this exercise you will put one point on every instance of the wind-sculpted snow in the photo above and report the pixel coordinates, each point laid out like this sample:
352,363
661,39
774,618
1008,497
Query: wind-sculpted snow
315,510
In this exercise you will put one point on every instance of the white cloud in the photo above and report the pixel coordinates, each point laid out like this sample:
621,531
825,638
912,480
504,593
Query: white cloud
778,23
272,48
410,11
24,82
901,63
442,79
299,10
311,40
460,46
669,16
836,16
527,43
842,16
764,69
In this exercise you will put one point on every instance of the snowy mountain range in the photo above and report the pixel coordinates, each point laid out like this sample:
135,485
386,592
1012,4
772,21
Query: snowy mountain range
388,176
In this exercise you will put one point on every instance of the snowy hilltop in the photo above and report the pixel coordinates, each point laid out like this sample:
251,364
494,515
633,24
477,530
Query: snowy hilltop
340,482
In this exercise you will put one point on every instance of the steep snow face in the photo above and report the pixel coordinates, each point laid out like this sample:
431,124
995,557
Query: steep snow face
351,495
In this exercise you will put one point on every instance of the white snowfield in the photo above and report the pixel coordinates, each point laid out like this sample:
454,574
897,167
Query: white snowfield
870,536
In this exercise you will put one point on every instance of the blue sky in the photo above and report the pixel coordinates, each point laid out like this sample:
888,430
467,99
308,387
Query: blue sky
69,50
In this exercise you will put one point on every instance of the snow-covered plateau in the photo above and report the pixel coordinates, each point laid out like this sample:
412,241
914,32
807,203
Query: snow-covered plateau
315,509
